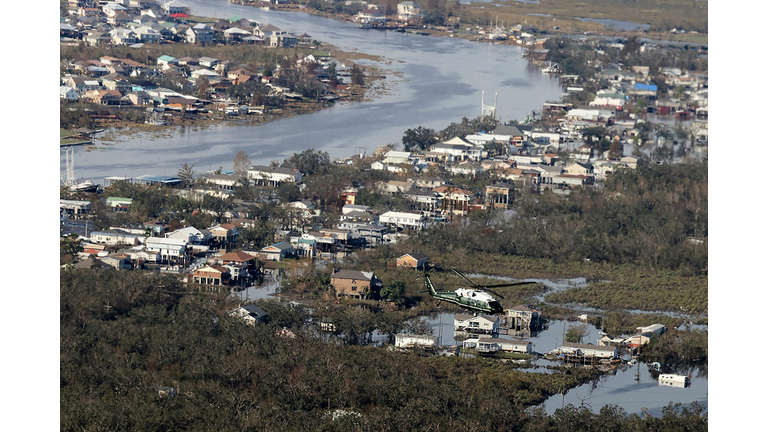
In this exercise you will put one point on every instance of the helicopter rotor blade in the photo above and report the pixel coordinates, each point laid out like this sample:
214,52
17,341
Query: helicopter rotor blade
495,293
508,284
465,278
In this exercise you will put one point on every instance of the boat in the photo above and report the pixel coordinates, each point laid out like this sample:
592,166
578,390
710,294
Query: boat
73,185
365,25
85,186
552,68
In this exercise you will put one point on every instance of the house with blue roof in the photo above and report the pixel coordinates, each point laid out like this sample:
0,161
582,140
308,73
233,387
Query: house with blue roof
166,60
645,90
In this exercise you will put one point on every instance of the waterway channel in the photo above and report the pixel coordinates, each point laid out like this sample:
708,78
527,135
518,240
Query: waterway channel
435,81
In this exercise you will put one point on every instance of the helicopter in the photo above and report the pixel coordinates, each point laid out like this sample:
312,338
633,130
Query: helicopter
478,298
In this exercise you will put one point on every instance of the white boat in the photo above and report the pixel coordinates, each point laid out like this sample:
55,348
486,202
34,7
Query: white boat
552,68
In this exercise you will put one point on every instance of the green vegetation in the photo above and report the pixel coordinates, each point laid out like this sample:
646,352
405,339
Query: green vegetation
125,335
662,15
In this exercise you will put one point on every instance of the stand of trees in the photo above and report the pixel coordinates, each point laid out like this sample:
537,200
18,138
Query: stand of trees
127,335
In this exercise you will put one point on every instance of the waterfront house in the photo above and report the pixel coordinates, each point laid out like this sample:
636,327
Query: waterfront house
485,324
268,176
407,340
496,344
587,350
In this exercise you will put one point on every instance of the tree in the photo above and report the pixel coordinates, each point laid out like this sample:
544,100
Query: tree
576,333
356,75
241,164
393,291
186,174
420,138
69,246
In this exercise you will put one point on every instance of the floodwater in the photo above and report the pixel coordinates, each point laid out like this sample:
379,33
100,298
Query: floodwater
634,389
623,386
617,25
432,82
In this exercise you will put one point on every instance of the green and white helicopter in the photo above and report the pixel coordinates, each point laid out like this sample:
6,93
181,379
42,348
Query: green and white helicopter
478,298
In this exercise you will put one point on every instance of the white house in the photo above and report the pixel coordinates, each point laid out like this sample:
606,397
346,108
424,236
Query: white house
407,10
114,237
485,324
68,94
167,247
190,234
411,340
416,221
264,175
587,350
174,7
509,345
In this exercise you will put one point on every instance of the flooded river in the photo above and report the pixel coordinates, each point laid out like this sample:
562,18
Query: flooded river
434,81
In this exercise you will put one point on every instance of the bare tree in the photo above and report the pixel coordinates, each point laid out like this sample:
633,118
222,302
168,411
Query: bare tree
242,164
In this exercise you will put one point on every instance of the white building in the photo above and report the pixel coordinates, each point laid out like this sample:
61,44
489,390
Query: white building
587,350
411,340
509,345
476,323
416,221
189,234
168,248
114,237
264,175
68,93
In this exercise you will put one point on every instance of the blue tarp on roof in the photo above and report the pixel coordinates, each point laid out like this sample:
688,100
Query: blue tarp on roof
651,87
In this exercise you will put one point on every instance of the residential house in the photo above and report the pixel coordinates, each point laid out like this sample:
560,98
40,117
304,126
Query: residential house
415,260
264,175
496,344
147,34
68,94
168,248
454,200
587,350
224,233
190,235
425,201
407,340
250,313
211,274
485,324
118,261
283,39
166,60
235,34
499,195
265,31
114,237
208,62
277,251
407,10
403,220
119,204
466,168
353,283
523,317
430,182
174,7
579,168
